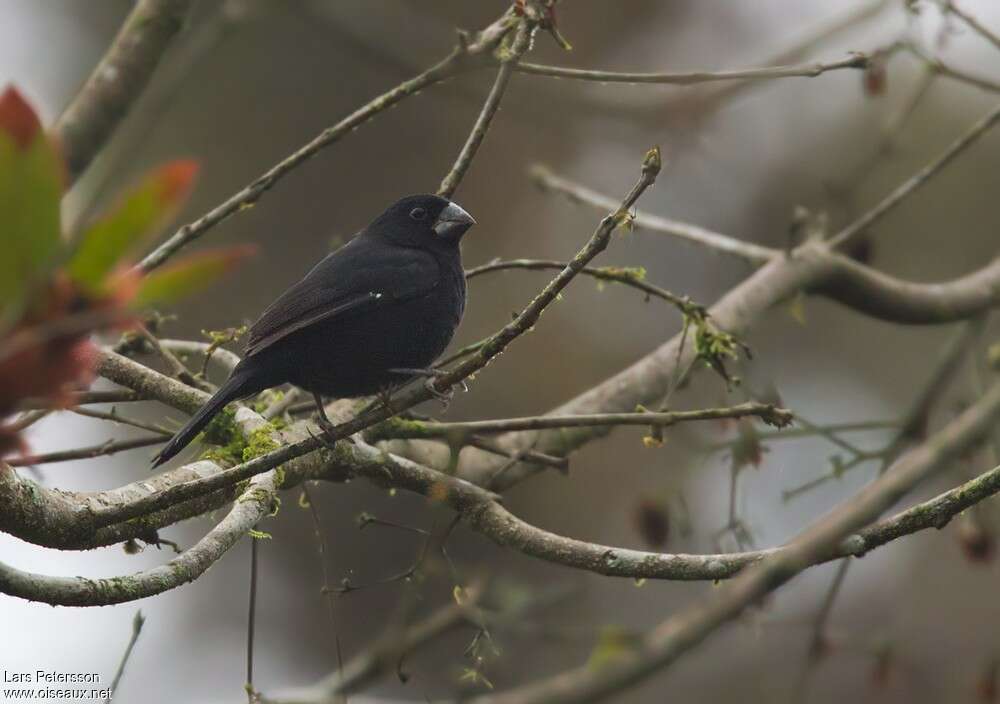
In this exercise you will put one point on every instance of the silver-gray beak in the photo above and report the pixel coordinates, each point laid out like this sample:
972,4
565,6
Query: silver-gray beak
453,222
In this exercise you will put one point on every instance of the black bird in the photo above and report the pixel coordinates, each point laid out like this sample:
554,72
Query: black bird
370,315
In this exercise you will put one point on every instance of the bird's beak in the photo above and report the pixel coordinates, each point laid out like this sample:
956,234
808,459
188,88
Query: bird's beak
453,222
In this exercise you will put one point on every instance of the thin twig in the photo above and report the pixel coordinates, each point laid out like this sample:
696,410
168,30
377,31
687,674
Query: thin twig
115,417
108,447
177,368
460,59
386,650
753,253
984,31
328,595
856,61
621,275
685,630
27,420
908,187
137,623
512,56
912,426
209,350
798,433
495,345
417,429
527,455
251,619
799,47
83,398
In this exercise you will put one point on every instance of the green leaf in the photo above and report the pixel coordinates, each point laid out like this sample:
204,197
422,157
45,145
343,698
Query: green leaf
137,217
30,191
171,282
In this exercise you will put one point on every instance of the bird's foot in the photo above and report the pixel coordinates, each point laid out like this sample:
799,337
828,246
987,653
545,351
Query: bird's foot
430,374
385,398
444,397
327,435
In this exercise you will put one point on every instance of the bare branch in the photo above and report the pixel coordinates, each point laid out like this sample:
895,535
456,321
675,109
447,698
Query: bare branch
228,360
510,58
119,79
124,371
420,429
148,383
621,275
385,652
753,253
25,516
856,61
888,298
984,31
460,59
647,379
908,187
807,268
83,398
177,368
687,629
255,502
137,622
104,449
116,417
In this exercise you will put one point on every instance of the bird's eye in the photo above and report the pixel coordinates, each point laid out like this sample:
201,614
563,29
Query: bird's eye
418,214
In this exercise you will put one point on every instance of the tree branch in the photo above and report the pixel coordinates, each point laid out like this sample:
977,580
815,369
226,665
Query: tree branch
846,236
984,31
27,518
119,79
770,414
856,61
885,297
810,267
686,630
510,59
460,59
109,447
255,503
753,253
622,275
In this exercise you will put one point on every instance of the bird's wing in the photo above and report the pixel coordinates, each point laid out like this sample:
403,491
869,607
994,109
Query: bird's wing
354,277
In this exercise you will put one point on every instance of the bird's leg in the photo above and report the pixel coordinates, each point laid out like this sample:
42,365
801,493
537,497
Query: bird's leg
324,422
430,374
385,398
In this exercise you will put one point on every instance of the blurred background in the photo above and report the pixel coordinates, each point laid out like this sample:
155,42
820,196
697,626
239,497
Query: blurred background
251,80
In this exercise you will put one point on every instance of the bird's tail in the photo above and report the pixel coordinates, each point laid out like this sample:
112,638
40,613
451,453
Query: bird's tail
239,385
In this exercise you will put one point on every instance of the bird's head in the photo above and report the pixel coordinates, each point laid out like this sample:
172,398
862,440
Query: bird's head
422,221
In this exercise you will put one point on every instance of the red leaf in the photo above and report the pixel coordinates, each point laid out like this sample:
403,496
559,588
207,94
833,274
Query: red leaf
188,274
109,241
17,118
174,180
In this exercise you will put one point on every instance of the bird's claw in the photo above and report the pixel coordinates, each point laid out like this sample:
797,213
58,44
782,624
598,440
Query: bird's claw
444,397
430,375
323,436
385,398
328,434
